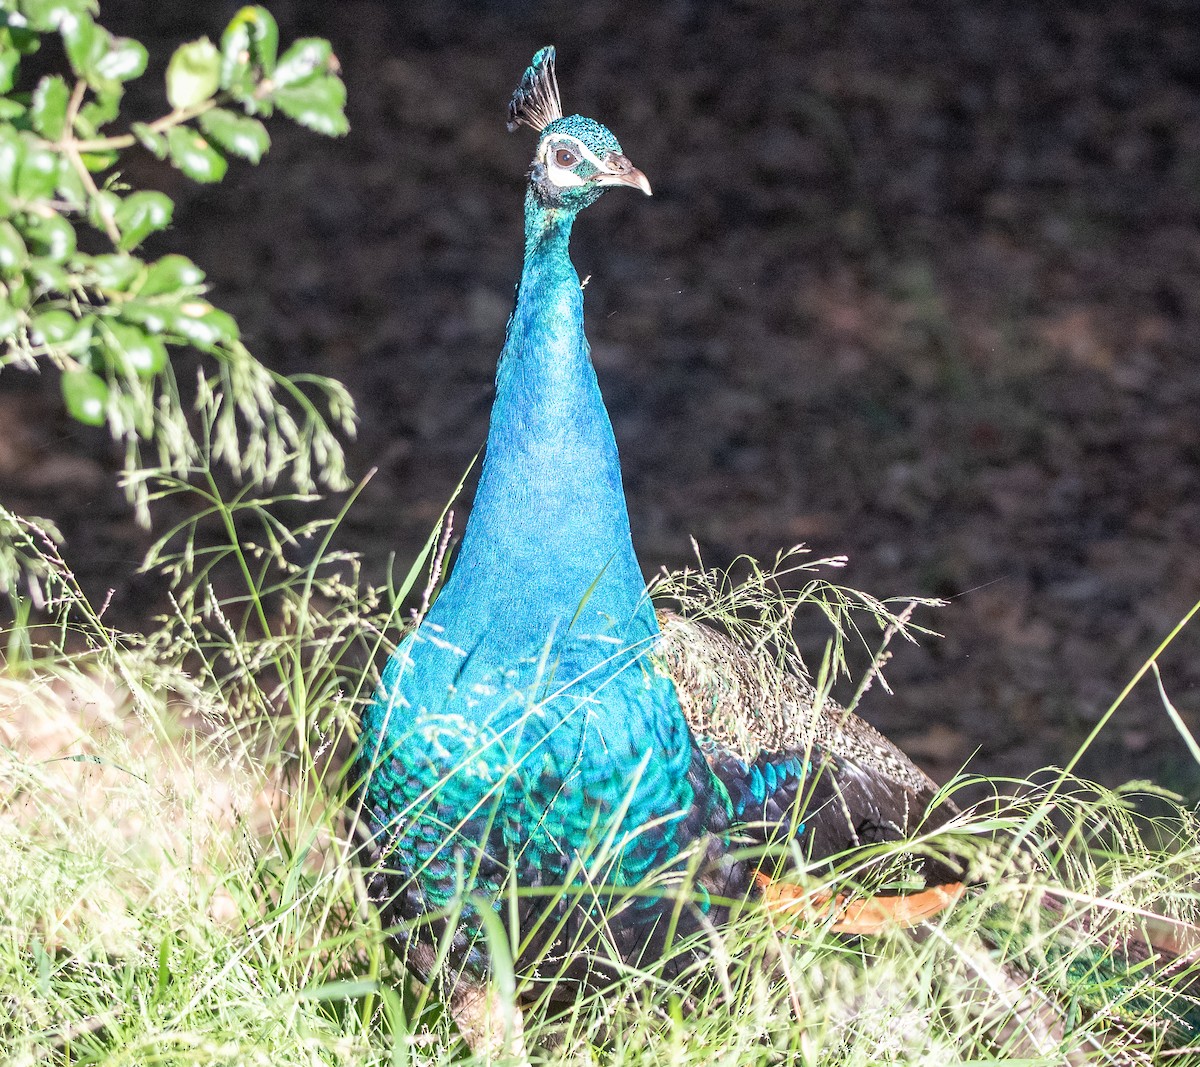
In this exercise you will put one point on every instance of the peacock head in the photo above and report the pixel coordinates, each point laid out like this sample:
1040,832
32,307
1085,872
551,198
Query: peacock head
577,158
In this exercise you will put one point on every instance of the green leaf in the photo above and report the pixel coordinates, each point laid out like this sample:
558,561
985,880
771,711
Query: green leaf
37,174
19,293
86,43
58,328
193,73
70,187
164,967
102,205
140,214
131,349
9,60
124,60
156,318
14,256
24,41
48,277
306,57
100,111
151,140
50,236
204,325
10,109
12,150
10,320
193,155
251,40
86,395
237,76
114,272
345,989
98,161
48,111
169,275
237,134
318,104
46,15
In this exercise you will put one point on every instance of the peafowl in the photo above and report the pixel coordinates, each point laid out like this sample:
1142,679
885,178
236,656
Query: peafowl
543,728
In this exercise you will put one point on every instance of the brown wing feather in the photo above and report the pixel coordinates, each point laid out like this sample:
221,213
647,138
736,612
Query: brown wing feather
749,704
749,711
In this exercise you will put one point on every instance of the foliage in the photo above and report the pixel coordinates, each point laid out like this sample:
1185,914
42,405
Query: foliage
76,296
758,605
177,886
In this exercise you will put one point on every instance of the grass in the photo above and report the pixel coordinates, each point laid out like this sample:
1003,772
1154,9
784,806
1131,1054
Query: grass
176,884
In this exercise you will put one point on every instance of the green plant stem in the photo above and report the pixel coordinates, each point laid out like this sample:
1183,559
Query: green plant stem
1068,769
128,140
1151,661
70,147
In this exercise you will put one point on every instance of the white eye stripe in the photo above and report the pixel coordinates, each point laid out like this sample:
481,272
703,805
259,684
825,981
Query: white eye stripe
573,144
562,177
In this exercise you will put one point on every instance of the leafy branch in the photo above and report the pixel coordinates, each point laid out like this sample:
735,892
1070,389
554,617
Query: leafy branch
108,321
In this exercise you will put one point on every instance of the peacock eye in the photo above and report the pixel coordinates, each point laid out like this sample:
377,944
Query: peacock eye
564,157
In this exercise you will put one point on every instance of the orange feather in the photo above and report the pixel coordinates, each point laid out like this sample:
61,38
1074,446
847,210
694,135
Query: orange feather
870,915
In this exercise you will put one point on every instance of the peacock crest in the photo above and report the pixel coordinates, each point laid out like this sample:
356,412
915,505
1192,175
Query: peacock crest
536,103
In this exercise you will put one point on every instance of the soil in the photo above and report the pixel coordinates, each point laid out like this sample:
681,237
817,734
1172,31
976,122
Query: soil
919,283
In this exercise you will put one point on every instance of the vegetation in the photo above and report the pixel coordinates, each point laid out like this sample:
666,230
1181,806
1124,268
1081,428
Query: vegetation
77,299
176,884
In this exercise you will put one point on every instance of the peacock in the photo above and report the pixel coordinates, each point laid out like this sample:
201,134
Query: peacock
542,727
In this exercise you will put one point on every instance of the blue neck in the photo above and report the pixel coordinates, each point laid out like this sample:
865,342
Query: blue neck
546,564
529,684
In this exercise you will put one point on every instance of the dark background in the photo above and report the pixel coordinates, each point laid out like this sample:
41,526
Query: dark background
920,283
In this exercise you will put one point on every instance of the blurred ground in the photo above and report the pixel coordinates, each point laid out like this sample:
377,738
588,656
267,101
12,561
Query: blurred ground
920,283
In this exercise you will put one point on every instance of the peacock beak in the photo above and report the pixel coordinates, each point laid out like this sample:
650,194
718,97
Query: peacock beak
619,171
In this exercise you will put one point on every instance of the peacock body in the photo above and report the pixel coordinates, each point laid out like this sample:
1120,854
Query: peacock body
542,728
524,722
